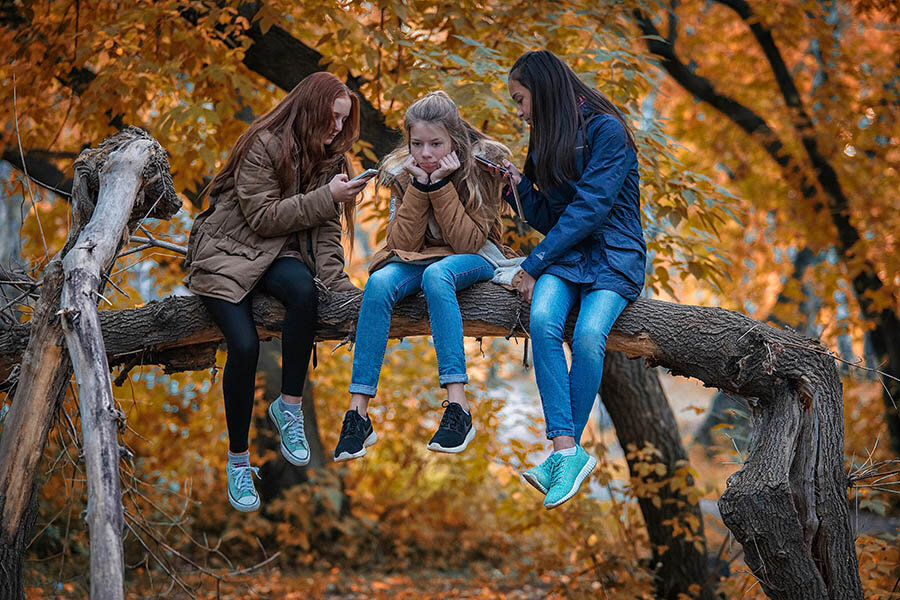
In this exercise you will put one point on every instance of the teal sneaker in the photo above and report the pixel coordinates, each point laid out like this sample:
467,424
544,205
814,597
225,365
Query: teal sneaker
241,491
539,476
294,446
566,476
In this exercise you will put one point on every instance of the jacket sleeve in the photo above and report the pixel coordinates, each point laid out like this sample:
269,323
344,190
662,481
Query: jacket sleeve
465,231
406,231
330,257
534,205
595,194
267,212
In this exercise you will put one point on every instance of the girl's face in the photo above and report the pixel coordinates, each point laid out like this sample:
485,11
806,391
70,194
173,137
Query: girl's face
428,144
522,97
340,111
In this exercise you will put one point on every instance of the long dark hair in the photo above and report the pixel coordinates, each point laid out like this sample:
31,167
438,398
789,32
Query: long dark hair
556,118
301,122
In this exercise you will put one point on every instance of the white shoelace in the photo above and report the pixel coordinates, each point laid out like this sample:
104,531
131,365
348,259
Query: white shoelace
293,427
243,478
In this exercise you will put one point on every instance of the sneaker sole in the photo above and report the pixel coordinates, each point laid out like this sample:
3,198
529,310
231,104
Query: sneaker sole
585,471
242,507
284,451
345,456
532,480
438,448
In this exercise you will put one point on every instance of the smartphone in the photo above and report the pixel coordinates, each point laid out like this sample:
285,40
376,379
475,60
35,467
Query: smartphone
367,174
490,163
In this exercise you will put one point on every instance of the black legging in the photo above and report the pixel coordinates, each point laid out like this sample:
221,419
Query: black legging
290,282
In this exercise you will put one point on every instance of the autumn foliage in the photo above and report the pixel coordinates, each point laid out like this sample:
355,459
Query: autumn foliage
724,226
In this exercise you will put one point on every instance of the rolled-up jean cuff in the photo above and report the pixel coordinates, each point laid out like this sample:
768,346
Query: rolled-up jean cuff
460,378
559,432
365,390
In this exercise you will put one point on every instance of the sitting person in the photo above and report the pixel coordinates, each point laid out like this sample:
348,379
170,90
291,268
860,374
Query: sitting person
444,210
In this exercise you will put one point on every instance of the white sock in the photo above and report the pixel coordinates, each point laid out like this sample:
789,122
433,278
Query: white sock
566,451
292,408
239,460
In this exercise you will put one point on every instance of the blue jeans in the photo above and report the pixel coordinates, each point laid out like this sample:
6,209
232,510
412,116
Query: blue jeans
567,395
395,281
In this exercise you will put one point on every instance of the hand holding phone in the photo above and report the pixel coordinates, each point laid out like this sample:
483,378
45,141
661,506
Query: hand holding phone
367,174
490,163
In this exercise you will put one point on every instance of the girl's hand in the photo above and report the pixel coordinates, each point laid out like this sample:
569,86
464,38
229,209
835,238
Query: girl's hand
526,285
413,169
448,165
344,190
514,177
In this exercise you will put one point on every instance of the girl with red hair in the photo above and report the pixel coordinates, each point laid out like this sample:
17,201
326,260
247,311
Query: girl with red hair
274,225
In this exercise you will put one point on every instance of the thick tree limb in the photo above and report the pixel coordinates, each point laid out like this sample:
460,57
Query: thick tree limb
781,372
285,61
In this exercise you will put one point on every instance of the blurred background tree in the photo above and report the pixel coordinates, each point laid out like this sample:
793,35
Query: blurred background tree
768,143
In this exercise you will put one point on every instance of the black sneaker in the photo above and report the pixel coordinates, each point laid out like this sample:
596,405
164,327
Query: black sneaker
455,431
356,435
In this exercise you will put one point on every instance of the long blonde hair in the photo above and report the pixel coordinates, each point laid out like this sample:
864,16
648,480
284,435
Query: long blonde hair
471,182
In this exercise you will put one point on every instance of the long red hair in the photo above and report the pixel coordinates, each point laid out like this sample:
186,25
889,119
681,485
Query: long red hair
301,122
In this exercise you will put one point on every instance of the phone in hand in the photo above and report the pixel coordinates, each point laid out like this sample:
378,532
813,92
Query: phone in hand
367,174
490,163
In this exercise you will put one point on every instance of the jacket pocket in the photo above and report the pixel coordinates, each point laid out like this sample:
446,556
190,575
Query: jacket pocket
229,245
626,256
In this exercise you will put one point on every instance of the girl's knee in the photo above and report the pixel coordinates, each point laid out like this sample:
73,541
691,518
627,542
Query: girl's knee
301,293
245,349
436,278
545,323
378,287
590,343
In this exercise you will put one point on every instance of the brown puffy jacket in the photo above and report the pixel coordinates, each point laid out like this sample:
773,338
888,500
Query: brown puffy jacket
462,229
248,221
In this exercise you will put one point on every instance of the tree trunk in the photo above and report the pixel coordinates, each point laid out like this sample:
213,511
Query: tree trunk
94,252
733,410
641,414
45,371
46,367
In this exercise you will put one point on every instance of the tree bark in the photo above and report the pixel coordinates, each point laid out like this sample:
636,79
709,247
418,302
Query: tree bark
641,414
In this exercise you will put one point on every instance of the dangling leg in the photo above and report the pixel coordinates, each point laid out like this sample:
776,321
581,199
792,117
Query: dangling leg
551,303
384,289
599,311
291,282
238,384
440,282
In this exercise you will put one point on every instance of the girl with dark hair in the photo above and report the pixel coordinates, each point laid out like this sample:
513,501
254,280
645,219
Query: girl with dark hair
583,162
274,225
443,212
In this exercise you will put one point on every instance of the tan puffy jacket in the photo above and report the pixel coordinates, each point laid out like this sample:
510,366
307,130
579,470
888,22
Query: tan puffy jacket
461,229
248,221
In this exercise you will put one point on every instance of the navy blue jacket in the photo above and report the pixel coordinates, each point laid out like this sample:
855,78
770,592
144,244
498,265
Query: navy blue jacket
592,226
